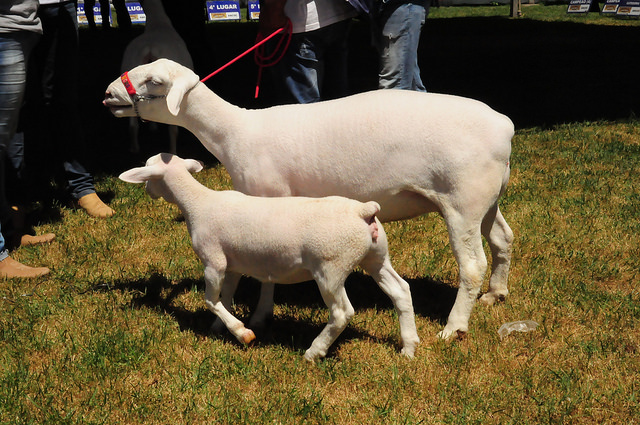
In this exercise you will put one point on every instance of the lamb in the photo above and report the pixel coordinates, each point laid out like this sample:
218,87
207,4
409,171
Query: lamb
411,152
283,240
159,40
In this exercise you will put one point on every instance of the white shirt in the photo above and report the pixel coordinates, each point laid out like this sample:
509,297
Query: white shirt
310,15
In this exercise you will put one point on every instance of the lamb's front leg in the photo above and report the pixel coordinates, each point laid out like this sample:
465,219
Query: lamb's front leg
229,287
213,279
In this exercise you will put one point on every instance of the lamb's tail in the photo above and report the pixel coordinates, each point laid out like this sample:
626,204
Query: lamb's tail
368,213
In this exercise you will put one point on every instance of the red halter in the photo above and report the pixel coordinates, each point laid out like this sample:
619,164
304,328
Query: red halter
127,84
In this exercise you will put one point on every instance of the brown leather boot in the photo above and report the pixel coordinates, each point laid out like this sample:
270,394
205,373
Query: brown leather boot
94,206
26,240
10,268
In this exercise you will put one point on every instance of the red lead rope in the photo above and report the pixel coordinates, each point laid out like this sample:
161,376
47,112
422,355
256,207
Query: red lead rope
259,57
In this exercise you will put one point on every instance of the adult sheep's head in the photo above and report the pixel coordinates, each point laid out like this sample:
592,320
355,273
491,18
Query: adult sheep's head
152,92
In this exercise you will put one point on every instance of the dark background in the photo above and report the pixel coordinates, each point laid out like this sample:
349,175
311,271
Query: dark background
538,73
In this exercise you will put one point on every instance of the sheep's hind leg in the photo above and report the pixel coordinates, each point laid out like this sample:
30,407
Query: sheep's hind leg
340,312
212,299
500,238
378,265
466,244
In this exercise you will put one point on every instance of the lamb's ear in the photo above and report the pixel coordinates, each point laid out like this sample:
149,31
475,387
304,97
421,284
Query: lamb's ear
139,174
181,85
194,166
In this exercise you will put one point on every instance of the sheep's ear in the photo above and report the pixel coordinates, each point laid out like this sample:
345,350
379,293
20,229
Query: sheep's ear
194,166
138,175
181,85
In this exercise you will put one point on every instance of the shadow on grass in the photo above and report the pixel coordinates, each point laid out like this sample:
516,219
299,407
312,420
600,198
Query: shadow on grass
431,299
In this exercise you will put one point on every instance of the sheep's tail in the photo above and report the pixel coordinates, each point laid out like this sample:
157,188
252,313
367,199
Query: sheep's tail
368,213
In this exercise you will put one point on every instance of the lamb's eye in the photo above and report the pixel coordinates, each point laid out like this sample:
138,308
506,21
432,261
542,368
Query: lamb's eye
155,82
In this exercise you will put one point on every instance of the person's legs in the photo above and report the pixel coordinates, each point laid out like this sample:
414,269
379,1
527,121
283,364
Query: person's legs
335,82
58,61
300,69
399,40
14,50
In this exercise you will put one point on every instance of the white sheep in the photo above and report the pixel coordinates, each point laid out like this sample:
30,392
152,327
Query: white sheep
159,40
280,240
411,152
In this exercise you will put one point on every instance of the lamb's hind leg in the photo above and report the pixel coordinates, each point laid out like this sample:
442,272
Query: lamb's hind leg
466,244
500,238
340,312
264,309
378,265
213,279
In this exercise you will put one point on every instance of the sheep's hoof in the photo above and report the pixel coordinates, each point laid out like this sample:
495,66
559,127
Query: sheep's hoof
491,298
448,335
248,337
408,352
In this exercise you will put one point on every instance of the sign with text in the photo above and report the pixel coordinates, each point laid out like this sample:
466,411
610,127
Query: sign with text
629,8
223,10
253,9
97,15
610,7
136,13
579,6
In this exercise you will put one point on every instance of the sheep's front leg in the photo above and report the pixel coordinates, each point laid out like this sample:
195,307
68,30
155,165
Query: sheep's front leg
466,243
340,312
213,279
134,145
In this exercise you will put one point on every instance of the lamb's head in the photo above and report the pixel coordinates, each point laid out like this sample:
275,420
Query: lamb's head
152,91
155,172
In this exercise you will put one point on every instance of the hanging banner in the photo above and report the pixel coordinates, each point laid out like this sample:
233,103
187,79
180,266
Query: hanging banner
223,10
97,15
253,9
610,7
629,9
136,13
579,6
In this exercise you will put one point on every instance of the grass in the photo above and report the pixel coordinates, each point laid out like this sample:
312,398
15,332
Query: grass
118,333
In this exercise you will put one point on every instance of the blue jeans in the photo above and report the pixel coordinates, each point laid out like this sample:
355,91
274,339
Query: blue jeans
398,48
14,54
315,65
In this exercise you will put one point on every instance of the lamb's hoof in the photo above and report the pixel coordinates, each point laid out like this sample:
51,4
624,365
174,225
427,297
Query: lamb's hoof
491,298
248,337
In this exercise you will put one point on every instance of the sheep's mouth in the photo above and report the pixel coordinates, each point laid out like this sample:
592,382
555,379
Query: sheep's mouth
118,108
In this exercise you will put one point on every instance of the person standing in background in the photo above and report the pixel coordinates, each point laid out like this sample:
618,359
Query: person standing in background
314,67
55,97
124,20
400,24
19,31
